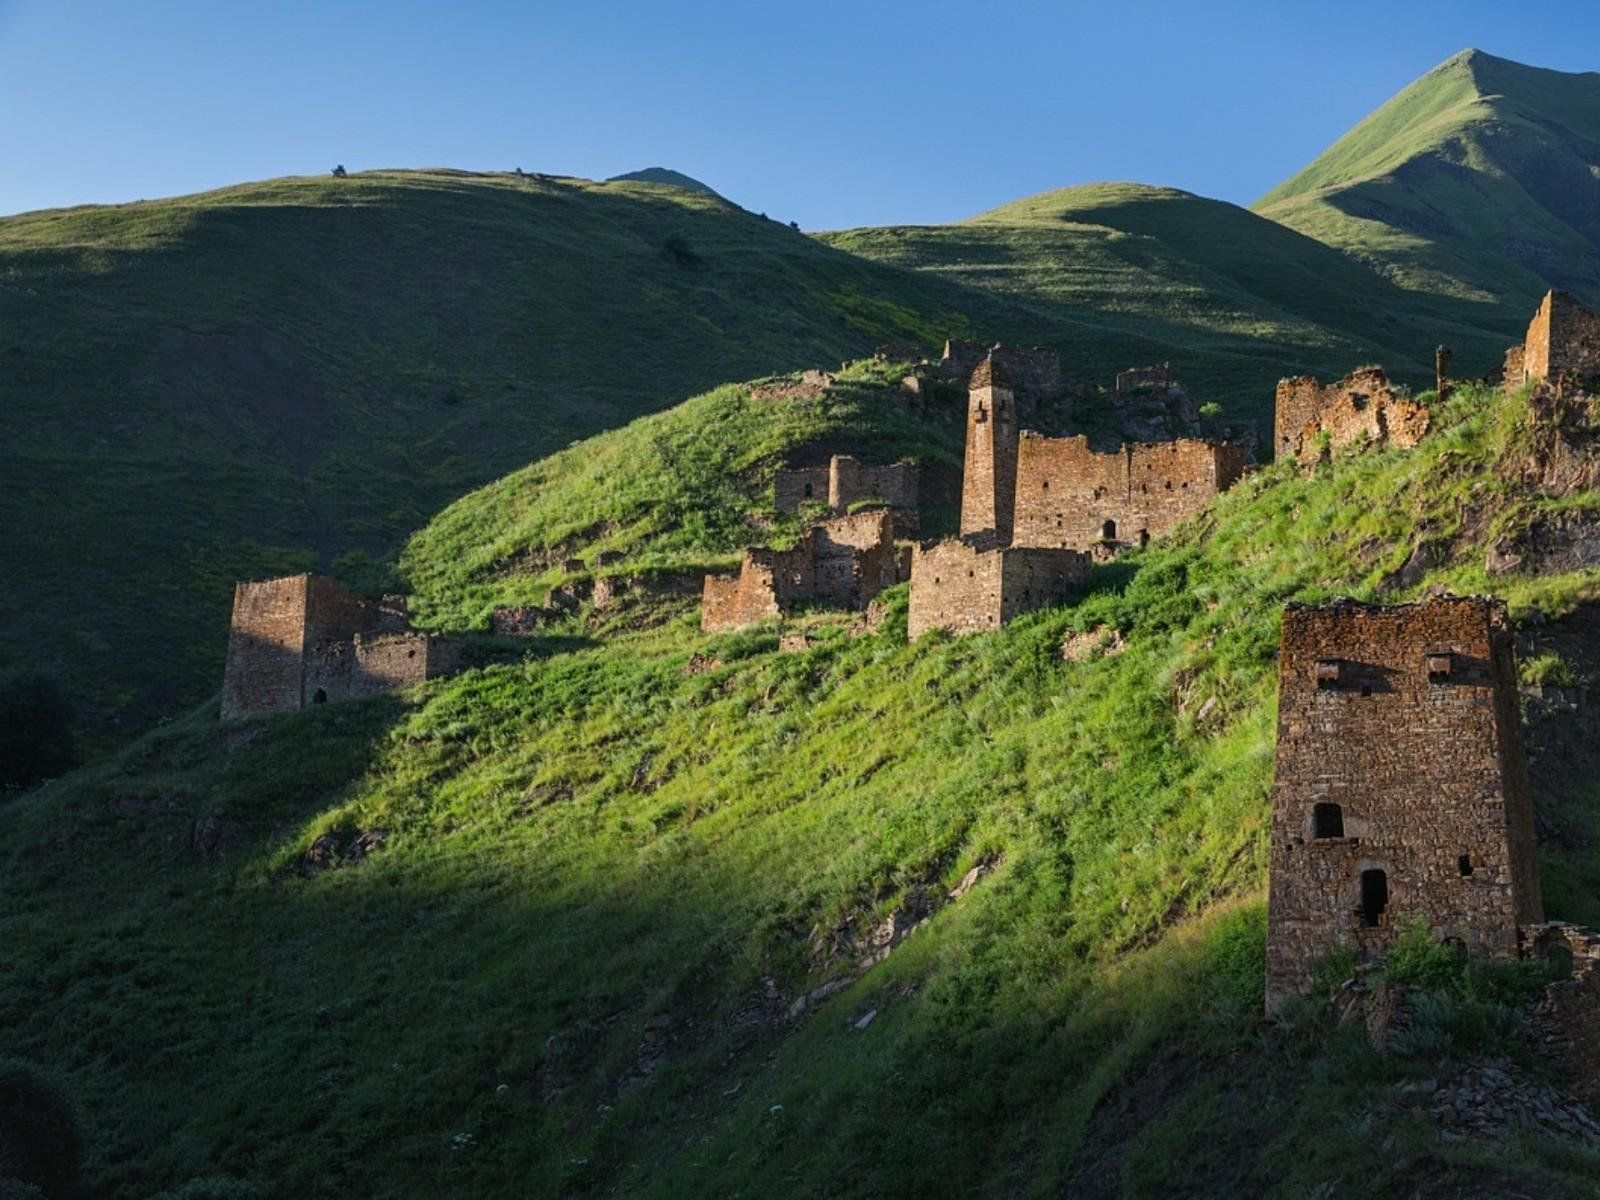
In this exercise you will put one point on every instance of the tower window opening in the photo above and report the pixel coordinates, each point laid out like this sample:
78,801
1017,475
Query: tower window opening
1327,821
1374,897
1108,531
809,491
1464,865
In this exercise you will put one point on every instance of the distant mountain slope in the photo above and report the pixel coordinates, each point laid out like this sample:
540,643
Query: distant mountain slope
258,379
1226,294
1480,180
664,175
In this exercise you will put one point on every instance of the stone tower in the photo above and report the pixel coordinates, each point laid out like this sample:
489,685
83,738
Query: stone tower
1401,786
989,475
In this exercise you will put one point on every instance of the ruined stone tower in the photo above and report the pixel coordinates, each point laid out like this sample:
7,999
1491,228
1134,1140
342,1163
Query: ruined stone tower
1401,786
989,477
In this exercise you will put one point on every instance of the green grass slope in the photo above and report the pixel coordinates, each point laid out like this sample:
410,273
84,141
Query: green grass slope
1476,181
614,939
264,378
1233,300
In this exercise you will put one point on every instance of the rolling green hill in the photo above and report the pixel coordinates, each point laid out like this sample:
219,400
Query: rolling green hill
1477,181
256,380
1234,300
665,176
610,927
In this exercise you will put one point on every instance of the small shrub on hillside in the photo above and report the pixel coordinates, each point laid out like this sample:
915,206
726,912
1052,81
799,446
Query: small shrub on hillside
35,729
1420,961
39,1139
678,250
1547,670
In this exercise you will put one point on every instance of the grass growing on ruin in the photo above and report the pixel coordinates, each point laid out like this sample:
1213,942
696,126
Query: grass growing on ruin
607,879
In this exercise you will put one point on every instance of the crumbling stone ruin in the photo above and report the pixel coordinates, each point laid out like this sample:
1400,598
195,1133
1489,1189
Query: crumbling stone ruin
1561,347
1401,786
1361,405
305,639
965,587
1069,495
846,481
1034,371
1139,379
842,562
1024,490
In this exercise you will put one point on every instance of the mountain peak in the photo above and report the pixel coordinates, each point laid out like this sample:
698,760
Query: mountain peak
666,177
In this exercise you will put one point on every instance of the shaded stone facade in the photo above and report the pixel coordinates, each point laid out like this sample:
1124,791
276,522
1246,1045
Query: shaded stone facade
842,562
1400,786
1068,495
846,481
969,588
294,637
1361,406
1562,344
1566,1021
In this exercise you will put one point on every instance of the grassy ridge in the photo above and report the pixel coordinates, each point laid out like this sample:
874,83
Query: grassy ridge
1476,182
608,878
1235,301
254,380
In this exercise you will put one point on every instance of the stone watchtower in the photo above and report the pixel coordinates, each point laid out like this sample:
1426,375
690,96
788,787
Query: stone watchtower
1401,786
989,476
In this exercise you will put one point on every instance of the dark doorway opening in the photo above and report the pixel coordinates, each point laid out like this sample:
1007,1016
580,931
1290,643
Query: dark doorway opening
1464,864
1374,897
319,697
1108,531
1327,821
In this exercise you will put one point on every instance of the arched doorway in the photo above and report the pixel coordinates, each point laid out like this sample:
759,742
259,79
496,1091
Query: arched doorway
1374,897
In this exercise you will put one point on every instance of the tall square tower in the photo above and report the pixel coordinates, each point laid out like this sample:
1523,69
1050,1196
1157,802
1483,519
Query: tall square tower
1401,786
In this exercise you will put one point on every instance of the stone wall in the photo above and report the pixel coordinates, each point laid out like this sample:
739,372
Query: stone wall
1566,1022
1033,372
846,481
1138,378
1400,786
989,474
967,588
1362,405
1068,495
1562,343
306,639
843,561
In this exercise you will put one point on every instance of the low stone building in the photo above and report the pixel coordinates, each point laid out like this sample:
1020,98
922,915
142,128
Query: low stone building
1400,784
844,481
305,639
842,562
1363,405
964,587
1068,495
1021,489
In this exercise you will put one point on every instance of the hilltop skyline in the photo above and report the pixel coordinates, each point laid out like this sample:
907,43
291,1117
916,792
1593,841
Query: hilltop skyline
829,116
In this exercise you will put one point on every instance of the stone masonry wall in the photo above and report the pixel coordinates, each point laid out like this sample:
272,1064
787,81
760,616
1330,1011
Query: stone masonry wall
1136,378
1563,342
989,474
1069,495
1398,752
843,561
1034,372
846,481
265,641
306,639
1362,404
965,588
1566,1022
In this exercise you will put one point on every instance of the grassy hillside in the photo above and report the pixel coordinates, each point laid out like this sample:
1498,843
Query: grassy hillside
1477,181
610,930
663,175
260,379
1233,300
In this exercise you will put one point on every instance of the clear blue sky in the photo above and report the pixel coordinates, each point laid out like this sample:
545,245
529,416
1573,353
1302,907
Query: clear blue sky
831,113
